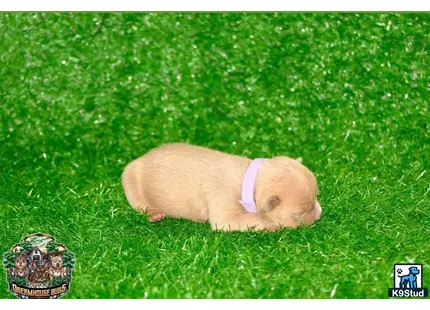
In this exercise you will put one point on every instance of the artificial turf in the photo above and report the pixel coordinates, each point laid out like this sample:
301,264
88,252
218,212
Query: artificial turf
82,94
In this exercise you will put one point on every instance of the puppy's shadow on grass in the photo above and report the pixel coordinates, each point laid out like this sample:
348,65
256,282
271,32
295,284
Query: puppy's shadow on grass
175,231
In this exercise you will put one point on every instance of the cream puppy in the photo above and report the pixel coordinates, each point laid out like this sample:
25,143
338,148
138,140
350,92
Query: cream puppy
195,183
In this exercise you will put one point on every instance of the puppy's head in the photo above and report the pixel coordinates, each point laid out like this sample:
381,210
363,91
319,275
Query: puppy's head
286,193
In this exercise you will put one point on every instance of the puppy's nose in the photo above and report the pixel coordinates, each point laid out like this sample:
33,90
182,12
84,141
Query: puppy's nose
317,211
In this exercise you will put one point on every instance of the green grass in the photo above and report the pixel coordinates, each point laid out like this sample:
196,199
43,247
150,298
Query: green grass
83,94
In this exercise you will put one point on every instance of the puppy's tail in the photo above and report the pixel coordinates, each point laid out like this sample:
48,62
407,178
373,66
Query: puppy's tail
130,180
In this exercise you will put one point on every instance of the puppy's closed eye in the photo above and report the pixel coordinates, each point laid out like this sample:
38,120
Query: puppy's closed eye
304,210
271,203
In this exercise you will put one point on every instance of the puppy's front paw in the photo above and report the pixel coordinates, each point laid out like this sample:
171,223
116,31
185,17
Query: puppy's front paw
235,222
235,227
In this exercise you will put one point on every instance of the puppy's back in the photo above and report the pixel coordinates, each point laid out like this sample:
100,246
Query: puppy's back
175,178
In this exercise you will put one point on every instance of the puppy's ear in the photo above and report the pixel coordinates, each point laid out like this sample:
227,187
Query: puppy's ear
271,202
300,160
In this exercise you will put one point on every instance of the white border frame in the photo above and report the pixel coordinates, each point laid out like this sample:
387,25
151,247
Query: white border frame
217,5
216,304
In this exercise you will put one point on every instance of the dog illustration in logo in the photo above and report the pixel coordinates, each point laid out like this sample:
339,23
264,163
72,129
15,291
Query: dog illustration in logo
21,266
39,276
410,279
56,270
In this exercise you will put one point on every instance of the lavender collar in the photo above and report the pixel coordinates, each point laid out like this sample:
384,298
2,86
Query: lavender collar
248,185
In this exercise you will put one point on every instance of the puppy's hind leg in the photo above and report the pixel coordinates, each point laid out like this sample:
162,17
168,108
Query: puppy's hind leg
135,194
156,217
130,182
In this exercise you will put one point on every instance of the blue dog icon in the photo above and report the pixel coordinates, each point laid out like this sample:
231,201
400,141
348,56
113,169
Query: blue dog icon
410,279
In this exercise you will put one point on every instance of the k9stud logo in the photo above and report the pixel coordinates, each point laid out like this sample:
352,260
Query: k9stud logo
408,281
